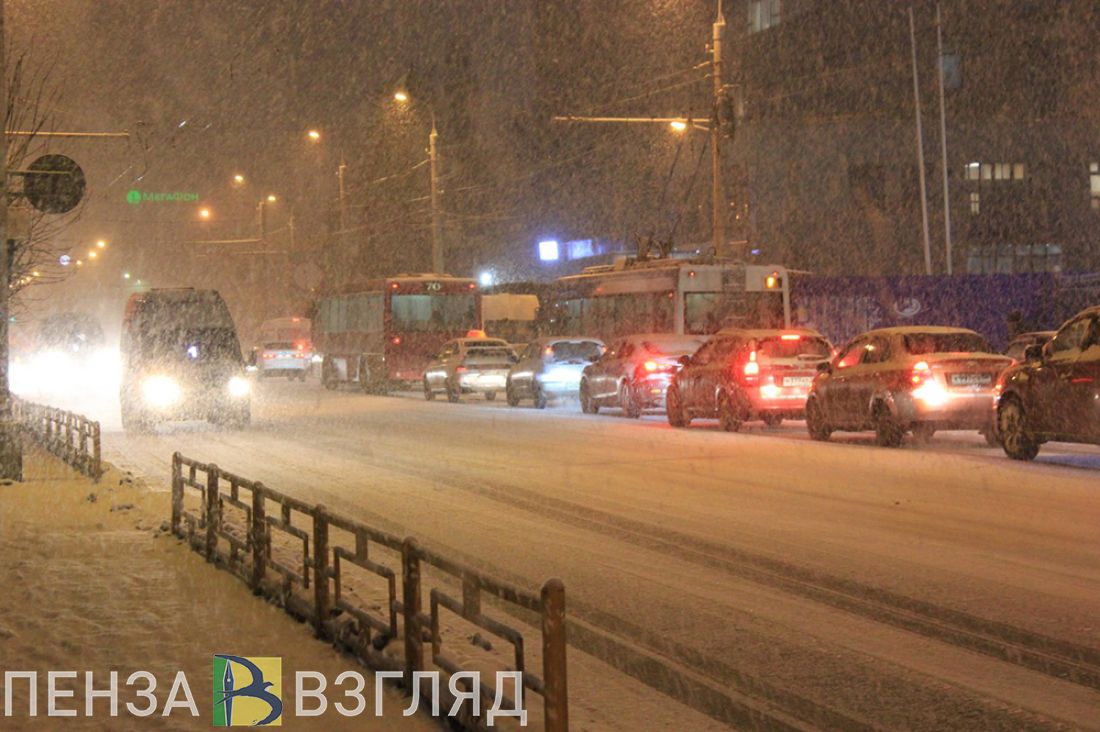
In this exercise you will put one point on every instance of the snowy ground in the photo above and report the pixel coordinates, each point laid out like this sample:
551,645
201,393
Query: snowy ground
92,585
842,583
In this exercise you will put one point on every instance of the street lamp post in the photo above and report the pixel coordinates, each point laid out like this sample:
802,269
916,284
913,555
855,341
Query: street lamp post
402,96
11,453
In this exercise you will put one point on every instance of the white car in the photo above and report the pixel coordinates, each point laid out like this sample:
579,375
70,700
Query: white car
469,366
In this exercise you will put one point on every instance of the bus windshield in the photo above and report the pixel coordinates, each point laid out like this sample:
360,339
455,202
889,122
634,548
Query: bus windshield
438,312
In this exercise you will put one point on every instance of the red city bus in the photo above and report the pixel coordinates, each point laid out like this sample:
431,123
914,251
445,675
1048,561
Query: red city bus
382,333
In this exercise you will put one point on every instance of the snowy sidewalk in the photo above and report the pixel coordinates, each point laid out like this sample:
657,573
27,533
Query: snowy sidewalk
90,581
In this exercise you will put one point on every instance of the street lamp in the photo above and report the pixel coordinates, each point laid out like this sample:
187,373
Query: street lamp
238,180
314,136
678,125
101,244
261,209
402,96
204,214
92,254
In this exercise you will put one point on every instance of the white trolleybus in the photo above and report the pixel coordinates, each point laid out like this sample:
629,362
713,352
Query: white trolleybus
682,296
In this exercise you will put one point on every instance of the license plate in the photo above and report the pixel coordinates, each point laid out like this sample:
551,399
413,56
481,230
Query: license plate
797,380
971,379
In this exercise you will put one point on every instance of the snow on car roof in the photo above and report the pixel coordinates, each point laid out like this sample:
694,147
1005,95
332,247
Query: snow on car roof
916,329
769,332
670,341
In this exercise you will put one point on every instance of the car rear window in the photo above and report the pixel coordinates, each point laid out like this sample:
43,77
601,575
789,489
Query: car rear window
564,351
279,346
804,347
673,345
489,352
919,344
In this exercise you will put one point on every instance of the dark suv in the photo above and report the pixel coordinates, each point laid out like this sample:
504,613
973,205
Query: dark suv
1055,393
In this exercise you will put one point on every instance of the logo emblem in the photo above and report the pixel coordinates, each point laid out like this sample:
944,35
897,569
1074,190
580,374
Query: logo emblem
248,691
133,197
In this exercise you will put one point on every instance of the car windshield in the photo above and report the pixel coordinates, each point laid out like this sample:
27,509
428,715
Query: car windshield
574,351
808,347
919,344
191,344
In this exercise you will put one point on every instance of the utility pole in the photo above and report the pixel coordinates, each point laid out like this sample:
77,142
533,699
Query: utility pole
437,232
340,169
948,248
11,452
718,195
263,219
920,147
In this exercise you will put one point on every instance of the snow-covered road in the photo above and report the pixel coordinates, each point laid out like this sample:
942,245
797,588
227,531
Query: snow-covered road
943,587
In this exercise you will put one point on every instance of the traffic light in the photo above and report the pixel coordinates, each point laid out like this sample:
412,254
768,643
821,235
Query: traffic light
773,281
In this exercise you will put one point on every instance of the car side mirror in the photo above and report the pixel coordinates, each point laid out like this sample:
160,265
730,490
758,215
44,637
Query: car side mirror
825,367
685,360
1034,352
513,358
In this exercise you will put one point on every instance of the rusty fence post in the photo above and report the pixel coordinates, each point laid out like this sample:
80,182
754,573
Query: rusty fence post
258,537
322,604
410,580
97,453
213,511
177,493
556,688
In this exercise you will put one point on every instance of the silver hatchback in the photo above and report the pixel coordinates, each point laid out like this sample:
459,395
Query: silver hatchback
551,367
469,366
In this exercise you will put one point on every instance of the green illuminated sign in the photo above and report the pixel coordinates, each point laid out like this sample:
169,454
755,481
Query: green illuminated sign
135,197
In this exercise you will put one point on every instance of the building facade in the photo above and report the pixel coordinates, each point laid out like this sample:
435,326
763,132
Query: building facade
825,152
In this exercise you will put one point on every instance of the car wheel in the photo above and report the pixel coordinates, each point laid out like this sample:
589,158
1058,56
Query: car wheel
729,416
540,396
888,433
922,433
588,404
490,396
815,422
429,395
629,401
674,407
454,393
510,394
1012,427
771,420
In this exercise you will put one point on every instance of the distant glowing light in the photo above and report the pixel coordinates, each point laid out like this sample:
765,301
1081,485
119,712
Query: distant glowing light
101,244
92,254
80,263
549,251
64,260
401,96
271,198
485,279
238,179
204,214
678,125
313,135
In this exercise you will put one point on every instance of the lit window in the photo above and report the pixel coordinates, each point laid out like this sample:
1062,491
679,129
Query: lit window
973,171
763,14
975,203
548,250
1094,185
1018,171
987,171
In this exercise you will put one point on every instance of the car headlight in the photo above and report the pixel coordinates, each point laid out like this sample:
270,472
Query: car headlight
160,391
239,387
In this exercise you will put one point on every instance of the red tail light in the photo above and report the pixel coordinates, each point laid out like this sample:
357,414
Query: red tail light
460,369
650,365
396,340
752,367
649,368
